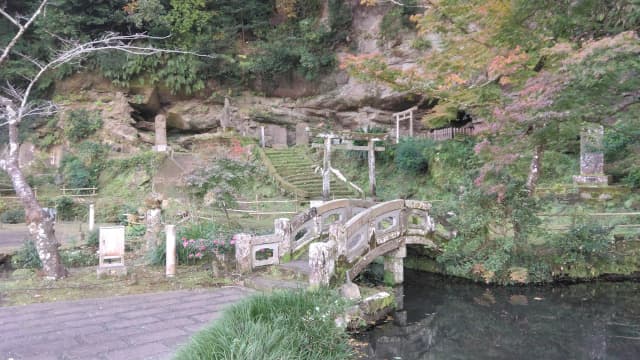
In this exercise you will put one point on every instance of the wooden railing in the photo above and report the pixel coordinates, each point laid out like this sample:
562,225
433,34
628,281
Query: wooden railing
448,133
79,192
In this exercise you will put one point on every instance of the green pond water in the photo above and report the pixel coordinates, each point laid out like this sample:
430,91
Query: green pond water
446,318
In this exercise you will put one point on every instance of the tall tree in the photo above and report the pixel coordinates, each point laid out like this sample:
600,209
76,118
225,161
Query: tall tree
17,104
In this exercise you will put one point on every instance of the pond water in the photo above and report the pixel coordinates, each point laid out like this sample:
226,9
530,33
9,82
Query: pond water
446,318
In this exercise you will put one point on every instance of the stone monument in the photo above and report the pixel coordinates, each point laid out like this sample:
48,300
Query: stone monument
591,157
161,133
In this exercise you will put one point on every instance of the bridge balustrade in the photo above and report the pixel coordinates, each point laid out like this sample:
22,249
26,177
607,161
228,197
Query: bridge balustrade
383,229
292,235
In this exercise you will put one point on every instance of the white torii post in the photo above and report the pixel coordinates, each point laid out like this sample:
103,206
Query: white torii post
326,166
371,157
403,115
92,214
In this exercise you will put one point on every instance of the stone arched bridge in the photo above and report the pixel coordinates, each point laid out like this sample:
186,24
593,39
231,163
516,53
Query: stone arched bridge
343,237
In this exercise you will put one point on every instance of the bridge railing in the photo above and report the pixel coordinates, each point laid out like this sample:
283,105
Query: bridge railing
293,235
377,231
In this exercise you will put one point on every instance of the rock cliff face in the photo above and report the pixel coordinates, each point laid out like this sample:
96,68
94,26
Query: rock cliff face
336,101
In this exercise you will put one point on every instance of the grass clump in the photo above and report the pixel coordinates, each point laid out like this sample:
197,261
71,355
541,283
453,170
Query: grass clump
281,325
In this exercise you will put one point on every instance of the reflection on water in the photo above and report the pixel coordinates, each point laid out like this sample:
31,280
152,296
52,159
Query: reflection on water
444,318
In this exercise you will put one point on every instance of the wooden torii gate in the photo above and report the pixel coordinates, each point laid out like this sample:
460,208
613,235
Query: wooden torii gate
370,148
404,115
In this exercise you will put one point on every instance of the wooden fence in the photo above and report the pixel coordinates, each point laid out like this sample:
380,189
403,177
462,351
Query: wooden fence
448,133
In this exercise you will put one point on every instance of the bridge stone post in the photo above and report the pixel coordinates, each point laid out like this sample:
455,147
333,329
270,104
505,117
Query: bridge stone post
337,234
322,261
394,266
243,252
282,228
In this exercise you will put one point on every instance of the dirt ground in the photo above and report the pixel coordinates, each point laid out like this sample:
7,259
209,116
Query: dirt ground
68,233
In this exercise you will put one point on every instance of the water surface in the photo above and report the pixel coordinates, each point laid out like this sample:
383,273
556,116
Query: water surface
445,318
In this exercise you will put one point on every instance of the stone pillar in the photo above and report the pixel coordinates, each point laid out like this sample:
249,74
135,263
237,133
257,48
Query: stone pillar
326,172
153,220
397,128
92,215
161,133
170,230
394,267
337,234
322,261
225,119
243,252
302,134
372,168
411,123
591,157
283,231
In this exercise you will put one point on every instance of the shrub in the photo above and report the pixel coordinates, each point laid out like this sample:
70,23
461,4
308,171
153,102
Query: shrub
93,239
633,178
65,208
78,257
583,243
280,325
410,156
26,257
75,173
81,124
12,216
135,230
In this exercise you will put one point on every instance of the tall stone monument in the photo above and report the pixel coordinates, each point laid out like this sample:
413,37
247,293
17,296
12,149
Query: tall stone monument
161,133
591,157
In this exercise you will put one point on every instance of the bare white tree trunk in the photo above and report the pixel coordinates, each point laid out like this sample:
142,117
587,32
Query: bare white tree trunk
40,224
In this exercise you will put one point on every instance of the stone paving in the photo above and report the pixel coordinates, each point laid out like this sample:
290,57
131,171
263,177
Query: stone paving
148,326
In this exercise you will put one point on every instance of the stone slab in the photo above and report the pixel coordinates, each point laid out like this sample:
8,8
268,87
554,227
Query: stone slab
148,326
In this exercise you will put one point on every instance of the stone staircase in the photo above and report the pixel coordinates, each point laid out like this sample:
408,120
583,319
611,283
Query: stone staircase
297,170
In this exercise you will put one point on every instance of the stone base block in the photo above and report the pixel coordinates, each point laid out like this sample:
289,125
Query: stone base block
594,180
116,270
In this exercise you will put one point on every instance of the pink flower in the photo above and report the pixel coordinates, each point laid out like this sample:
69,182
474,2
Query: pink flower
191,241
199,255
184,243
203,248
190,256
215,242
232,241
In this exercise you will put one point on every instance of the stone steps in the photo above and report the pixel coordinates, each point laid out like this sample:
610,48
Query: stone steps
298,169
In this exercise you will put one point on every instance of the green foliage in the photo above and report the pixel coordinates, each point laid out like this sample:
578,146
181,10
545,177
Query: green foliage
93,238
197,242
633,178
135,230
65,208
280,325
76,174
397,20
78,257
26,257
493,229
583,243
411,157
12,216
567,20
219,183
81,124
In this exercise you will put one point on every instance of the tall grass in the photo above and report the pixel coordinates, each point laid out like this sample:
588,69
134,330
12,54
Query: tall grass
282,325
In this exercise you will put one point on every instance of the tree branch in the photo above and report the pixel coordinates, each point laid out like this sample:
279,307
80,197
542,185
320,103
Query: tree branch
21,31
